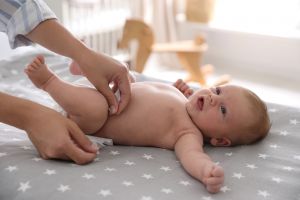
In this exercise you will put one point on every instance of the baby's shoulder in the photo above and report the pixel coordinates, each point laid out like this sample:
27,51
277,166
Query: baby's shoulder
189,131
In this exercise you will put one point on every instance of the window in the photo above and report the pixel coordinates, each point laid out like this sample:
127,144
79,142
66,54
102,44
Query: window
272,17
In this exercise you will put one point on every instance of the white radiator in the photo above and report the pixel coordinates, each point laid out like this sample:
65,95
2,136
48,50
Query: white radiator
99,22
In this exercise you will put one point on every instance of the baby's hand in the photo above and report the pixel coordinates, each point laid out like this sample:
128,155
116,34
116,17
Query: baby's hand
213,178
183,88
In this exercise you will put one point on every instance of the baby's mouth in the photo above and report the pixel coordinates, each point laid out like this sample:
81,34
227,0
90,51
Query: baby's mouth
200,103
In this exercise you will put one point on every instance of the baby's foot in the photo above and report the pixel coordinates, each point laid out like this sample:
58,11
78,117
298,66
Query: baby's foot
38,72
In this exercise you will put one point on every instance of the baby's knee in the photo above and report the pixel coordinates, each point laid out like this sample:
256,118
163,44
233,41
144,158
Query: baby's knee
98,113
95,114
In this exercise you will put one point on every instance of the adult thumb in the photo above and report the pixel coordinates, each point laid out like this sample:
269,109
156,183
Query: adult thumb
111,99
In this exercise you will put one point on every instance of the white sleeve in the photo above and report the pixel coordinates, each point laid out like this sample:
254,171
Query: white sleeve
19,17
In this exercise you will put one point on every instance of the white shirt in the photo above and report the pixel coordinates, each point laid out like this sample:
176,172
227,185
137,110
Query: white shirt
19,17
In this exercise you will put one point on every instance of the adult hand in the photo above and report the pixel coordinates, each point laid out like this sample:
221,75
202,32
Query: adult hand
57,137
101,71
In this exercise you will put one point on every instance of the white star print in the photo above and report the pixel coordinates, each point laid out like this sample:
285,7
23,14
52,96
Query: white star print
11,168
272,110
26,147
129,163
88,176
24,186
274,146
263,193
3,154
50,172
238,175
165,168
147,176
276,179
148,157
105,193
207,198
251,166
166,190
229,154
114,153
185,183
127,183
225,189
63,188
263,156
146,198
284,133
14,72
297,157
110,169
294,121
36,159
288,168
97,159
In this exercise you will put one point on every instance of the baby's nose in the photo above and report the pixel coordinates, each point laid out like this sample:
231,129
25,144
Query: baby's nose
213,99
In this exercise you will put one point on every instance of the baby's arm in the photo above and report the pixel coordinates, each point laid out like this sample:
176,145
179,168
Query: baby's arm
183,88
189,150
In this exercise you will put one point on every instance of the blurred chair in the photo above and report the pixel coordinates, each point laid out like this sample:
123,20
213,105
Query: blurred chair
189,52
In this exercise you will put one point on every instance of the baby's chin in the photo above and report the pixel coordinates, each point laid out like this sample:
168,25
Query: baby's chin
189,108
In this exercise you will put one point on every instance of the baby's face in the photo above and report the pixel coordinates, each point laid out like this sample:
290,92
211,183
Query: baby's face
219,112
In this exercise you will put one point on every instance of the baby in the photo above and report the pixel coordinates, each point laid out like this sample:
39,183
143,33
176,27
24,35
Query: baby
164,116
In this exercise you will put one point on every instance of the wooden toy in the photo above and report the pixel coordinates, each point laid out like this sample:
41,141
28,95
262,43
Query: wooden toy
189,52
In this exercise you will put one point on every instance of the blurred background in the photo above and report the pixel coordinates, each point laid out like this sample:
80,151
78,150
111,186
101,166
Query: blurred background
256,42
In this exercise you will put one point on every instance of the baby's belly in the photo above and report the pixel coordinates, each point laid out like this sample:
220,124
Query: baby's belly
148,120
140,127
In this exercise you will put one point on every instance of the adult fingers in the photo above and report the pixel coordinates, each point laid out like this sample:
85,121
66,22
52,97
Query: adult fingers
125,93
80,139
77,154
110,97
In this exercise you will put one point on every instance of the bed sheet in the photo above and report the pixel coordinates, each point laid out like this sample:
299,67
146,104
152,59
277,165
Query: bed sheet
269,169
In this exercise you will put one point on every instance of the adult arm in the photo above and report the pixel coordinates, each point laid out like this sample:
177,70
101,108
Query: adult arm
189,150
98,68
33,21
53,135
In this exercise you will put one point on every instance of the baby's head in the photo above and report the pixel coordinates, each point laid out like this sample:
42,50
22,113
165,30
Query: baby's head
229,115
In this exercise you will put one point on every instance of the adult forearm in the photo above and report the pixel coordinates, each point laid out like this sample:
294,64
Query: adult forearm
16,111
53,36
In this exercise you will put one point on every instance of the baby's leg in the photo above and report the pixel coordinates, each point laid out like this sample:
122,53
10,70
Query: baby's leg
75,69
85,106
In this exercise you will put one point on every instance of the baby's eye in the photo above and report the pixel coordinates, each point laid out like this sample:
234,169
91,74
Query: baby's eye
218,90
223,110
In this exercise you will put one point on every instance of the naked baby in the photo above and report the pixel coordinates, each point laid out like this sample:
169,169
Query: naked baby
165,116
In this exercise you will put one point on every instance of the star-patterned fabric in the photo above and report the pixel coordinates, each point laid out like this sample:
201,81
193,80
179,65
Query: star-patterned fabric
268,170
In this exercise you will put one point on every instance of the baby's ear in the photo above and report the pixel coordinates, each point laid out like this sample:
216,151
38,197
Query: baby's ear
220,142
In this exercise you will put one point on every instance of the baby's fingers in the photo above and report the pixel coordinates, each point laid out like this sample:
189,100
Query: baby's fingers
214,181
213,188
217,172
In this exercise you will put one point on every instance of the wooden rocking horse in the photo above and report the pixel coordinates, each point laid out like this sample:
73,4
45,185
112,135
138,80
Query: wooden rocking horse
188,52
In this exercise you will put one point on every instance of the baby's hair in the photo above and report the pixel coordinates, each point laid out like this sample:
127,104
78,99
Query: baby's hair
260,126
